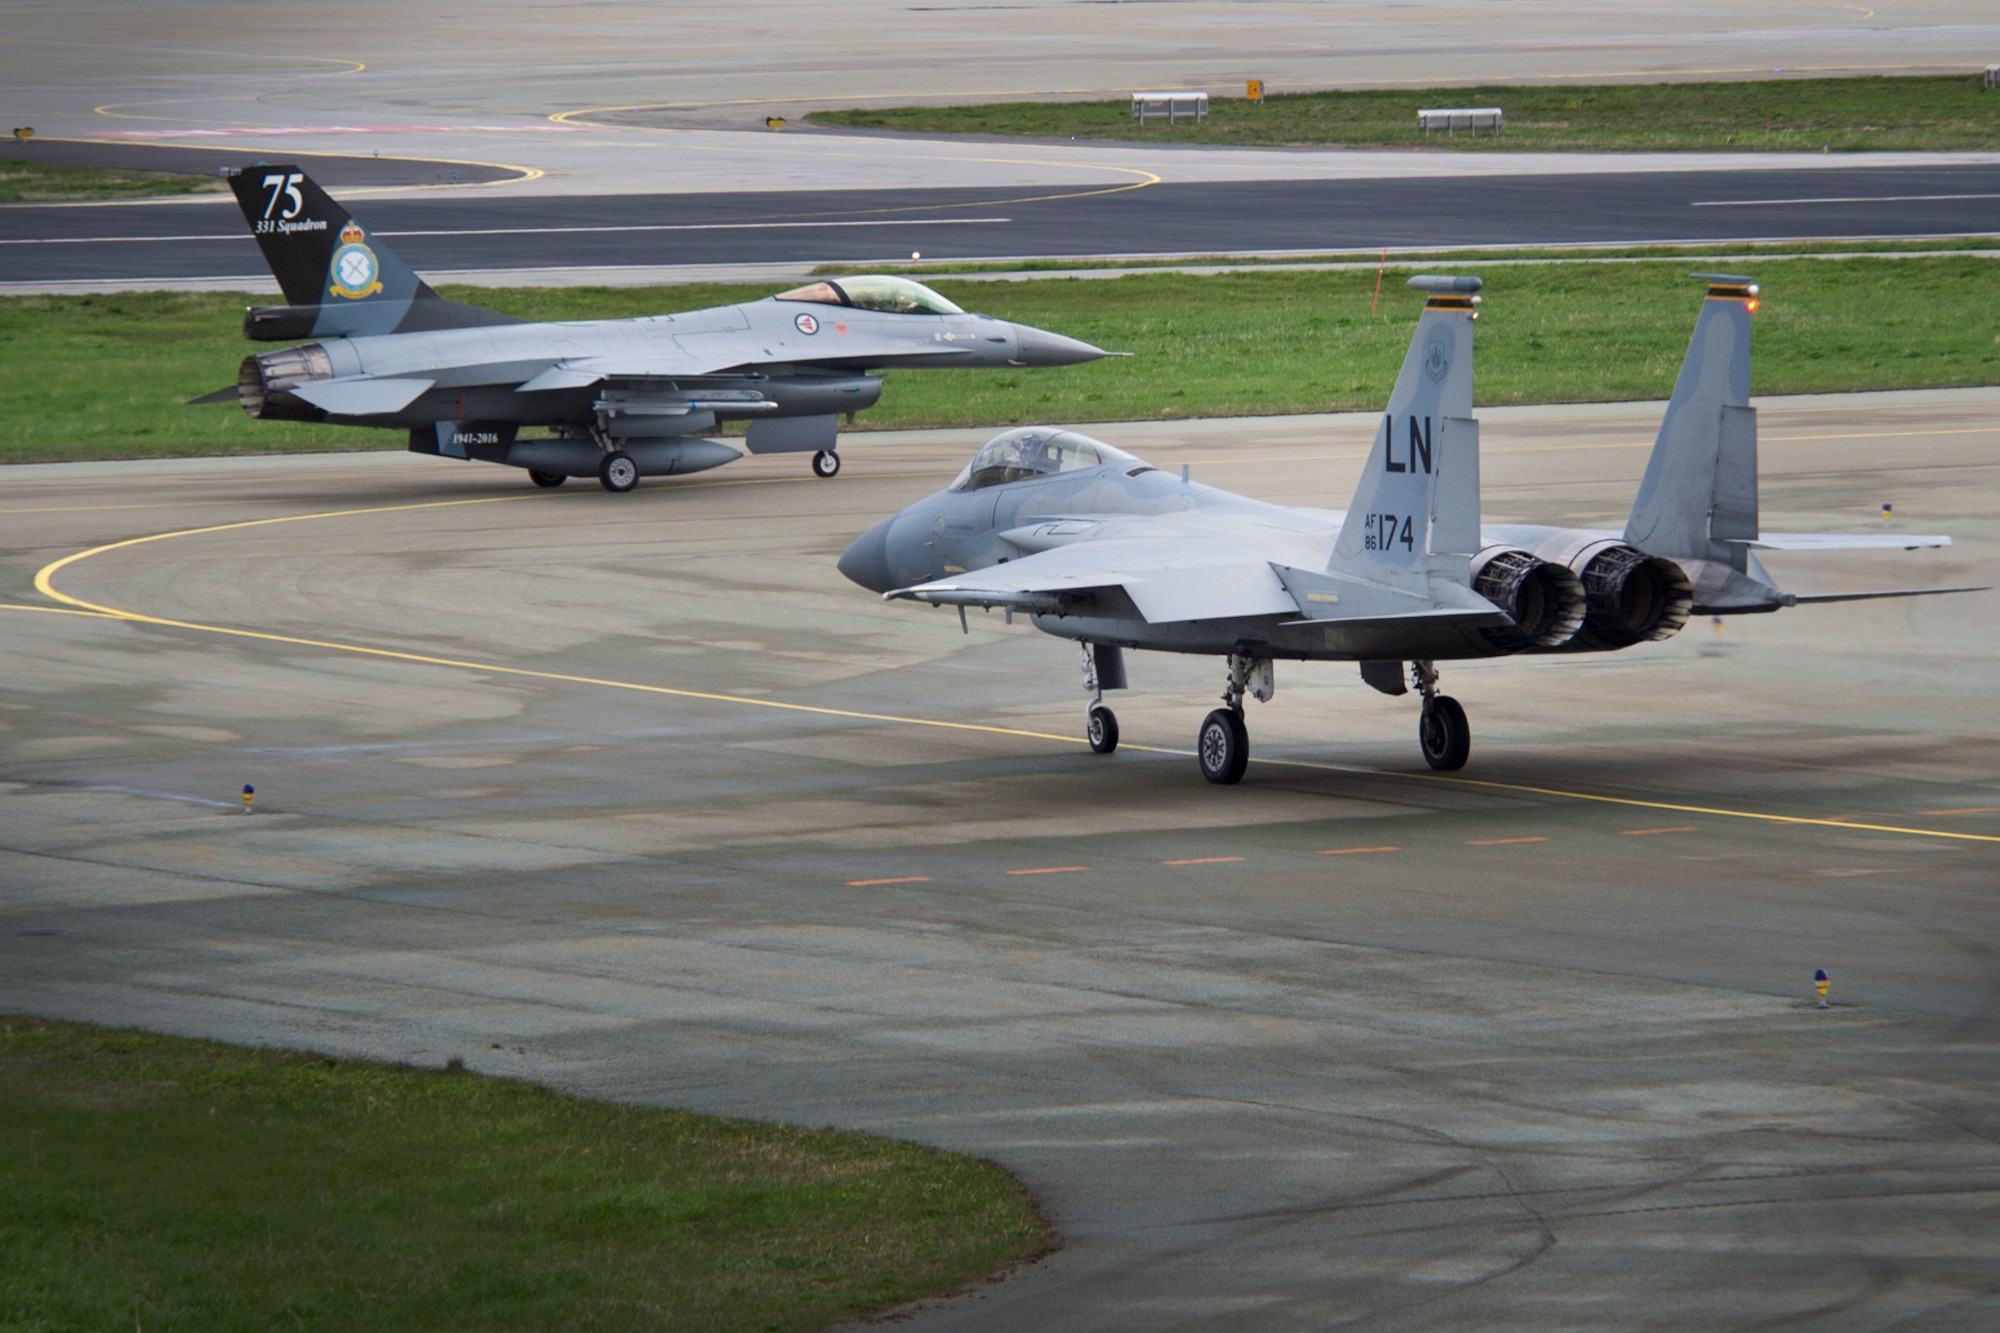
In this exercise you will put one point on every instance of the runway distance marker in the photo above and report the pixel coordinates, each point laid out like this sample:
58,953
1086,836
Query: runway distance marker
44,584
1202,861
899,879
1501,842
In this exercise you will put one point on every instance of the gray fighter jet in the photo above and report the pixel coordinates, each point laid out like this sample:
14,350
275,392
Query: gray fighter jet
1100,547
622,399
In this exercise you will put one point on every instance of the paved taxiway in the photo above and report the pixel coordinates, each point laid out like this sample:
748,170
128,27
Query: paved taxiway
468,234
640,785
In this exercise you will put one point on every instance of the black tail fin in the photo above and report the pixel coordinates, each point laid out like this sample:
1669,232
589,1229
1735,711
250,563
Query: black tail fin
336,278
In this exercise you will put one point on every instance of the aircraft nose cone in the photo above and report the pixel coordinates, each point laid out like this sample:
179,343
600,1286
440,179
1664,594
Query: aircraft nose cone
867,560
1039,347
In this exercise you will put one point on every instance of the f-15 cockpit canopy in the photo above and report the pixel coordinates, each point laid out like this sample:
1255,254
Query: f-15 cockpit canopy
897,296
1034,451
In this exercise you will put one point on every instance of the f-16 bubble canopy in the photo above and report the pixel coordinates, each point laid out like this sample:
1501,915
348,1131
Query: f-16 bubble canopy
896,296
1034,451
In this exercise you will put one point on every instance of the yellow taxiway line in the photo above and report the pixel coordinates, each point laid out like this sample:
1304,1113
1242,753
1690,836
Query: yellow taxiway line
45,584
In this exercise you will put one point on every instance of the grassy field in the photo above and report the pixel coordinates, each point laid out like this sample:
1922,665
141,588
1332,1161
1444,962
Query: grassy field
149,1182
44,182
107,376
1842,115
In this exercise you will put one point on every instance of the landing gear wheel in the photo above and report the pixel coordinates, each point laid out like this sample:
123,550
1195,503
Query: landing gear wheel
1444,734
1102,729
548,480
826,463
619,471
1223,746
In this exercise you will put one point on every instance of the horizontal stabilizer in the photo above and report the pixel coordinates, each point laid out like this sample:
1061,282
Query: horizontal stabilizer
1838,541
361,397
227,394
1801,599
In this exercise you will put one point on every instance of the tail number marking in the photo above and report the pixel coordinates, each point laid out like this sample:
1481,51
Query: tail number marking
1418,453
1384,532
284,187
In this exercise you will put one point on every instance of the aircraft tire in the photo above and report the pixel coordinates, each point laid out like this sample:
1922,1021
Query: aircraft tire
826,463
618,471
1222,747
548,480
1102,729
1444,734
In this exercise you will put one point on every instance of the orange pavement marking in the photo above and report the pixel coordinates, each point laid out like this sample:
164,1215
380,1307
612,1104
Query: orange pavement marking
1642,832
1202,861
1969,810
1356,851
1502,842
1049,870
903,879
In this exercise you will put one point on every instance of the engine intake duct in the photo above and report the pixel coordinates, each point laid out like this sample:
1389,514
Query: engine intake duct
1546,600
1631,597
262,381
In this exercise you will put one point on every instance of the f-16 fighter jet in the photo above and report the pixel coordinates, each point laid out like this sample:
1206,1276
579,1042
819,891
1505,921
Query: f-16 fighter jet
621,399
1100,547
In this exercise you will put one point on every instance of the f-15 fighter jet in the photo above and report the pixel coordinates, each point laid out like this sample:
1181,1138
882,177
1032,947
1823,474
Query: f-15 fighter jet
622,399
1100,547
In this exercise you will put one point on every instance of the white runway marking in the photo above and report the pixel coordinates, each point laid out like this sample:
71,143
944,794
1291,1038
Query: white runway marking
539,231
1837,199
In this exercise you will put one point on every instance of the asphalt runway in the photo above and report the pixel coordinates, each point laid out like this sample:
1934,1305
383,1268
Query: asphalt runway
640,785
467,234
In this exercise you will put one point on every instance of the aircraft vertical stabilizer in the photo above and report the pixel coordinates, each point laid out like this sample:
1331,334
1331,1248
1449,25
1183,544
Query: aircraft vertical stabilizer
1698,500
337,278
1416,512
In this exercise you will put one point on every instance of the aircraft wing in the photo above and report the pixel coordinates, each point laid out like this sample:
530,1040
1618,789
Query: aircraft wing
1167,580
1838,541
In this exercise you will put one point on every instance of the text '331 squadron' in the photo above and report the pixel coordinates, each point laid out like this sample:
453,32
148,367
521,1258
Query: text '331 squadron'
622,399
1100,547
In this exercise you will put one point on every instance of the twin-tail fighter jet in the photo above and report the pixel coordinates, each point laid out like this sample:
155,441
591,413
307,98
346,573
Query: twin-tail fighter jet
621,399
1100,547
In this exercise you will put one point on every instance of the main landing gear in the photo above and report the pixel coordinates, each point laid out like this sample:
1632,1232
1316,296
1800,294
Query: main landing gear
618,471
1222,746
1100,724
826,463
548,480
1442,731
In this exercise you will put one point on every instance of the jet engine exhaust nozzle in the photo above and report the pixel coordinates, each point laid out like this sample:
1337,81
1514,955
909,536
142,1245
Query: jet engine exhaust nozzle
1631,597
1545,599
262,381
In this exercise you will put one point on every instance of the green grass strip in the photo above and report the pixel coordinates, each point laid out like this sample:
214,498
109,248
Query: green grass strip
45,182
156,1183
106,376
1767,115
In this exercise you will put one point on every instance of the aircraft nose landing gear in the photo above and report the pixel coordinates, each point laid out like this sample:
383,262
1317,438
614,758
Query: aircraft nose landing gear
1442,731
826,463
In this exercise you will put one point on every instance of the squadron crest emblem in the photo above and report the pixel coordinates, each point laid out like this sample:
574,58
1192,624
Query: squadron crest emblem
1436,359
354,270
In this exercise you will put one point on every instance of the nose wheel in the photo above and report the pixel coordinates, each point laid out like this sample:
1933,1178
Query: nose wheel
1102,729
826,463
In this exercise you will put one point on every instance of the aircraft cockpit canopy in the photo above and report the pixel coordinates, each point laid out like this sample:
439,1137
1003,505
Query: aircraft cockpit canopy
1034,451
897,296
